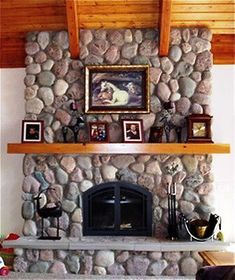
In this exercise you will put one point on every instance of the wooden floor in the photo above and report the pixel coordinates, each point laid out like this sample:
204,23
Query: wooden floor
218,258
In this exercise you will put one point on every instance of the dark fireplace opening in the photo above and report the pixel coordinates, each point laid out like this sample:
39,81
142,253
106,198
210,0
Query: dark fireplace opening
117,208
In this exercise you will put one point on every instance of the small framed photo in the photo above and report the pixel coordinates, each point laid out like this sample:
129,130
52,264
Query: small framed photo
132,131
32,131
98,132
155,135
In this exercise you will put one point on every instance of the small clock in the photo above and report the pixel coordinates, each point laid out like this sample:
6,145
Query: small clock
199,128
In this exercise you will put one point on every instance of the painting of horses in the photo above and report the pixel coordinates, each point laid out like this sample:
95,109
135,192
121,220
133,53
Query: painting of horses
117,89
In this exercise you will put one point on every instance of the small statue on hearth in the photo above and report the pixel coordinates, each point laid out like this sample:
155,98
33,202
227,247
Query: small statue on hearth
78,122
48,210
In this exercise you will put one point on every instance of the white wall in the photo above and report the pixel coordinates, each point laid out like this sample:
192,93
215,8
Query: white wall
12,113
12,106
223,108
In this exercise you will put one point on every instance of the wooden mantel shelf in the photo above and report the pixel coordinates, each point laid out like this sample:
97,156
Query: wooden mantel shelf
118,148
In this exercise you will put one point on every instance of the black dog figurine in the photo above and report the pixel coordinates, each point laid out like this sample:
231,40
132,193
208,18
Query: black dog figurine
75,129
80,123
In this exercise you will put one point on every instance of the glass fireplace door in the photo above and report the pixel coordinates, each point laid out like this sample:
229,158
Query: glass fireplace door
102,210
132,210
117,208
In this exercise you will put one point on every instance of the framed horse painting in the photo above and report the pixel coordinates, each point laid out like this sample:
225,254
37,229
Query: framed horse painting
117,89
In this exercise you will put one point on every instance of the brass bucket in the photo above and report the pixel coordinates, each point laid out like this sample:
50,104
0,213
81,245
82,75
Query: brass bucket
200,226
201,230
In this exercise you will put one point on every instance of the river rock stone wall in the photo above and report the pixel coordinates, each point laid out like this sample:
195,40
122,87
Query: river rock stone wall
71,175
53,80
104,262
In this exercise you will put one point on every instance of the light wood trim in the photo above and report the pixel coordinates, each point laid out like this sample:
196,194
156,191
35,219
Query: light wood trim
198,8
218,258
203,2
165,27
146,21
211,24
73,27
202,16
93,20
139,8
116,2
117,148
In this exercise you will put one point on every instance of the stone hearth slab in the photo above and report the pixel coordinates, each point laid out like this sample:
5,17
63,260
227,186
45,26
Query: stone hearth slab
16,275
116,243
34,243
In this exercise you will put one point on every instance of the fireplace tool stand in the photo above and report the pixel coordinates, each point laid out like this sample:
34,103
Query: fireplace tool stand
172,223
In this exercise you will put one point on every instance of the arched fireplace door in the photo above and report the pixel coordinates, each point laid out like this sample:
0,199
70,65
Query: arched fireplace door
117,208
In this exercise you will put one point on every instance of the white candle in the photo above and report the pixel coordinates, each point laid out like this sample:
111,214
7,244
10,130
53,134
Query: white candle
168,188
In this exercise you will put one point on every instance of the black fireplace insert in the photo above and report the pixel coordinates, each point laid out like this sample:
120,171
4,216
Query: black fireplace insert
117,208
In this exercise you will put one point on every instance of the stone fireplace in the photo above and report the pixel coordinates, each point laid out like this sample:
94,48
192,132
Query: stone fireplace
74,178
96,190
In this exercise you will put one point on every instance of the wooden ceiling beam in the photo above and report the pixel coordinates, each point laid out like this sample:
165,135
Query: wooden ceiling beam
165,26
73,27
30,15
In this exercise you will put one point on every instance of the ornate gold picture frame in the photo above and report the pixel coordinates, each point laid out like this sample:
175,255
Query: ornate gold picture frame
117,89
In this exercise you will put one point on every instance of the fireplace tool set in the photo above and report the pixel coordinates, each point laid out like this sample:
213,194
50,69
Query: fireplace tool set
172,223
197,229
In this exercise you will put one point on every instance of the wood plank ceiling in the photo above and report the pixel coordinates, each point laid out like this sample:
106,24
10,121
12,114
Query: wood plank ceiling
19,17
